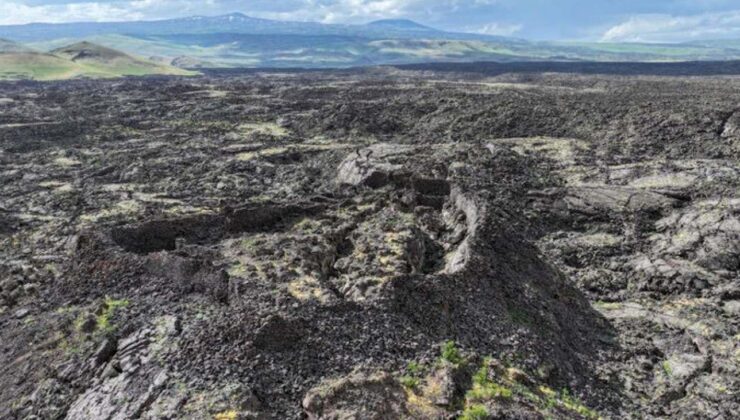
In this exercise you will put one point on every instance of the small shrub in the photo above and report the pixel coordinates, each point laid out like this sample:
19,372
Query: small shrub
667,368
413,368
450,353
410,382
481,376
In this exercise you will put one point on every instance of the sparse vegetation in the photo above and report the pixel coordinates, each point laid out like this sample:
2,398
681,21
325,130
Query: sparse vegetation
121,208
271,151
110,306
474,412
266,128
607,305
250,243
667,369
412,379
308,225
227,415
573,404
450,353
485,389
414,368
410,382
548,399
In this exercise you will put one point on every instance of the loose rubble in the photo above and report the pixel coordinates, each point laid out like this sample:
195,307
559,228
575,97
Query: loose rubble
370,244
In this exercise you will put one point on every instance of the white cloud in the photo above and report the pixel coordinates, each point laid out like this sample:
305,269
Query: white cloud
327,11
353,11
17,12
503,29
667,28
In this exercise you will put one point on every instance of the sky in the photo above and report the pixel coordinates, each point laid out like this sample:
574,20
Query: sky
587,20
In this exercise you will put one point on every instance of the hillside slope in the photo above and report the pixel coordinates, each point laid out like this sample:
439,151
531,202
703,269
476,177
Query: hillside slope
36,66
8,46
83,59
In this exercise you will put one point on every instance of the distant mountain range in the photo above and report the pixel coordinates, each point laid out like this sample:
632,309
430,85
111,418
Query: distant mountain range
237,40
235,23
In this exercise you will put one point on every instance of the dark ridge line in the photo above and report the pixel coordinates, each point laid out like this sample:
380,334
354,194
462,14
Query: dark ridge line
492,68
683,68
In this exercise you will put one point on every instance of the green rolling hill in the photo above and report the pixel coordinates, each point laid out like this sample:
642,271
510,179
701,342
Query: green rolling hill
79,60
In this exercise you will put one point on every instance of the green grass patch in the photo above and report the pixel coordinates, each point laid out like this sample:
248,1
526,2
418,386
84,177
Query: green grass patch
474,412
